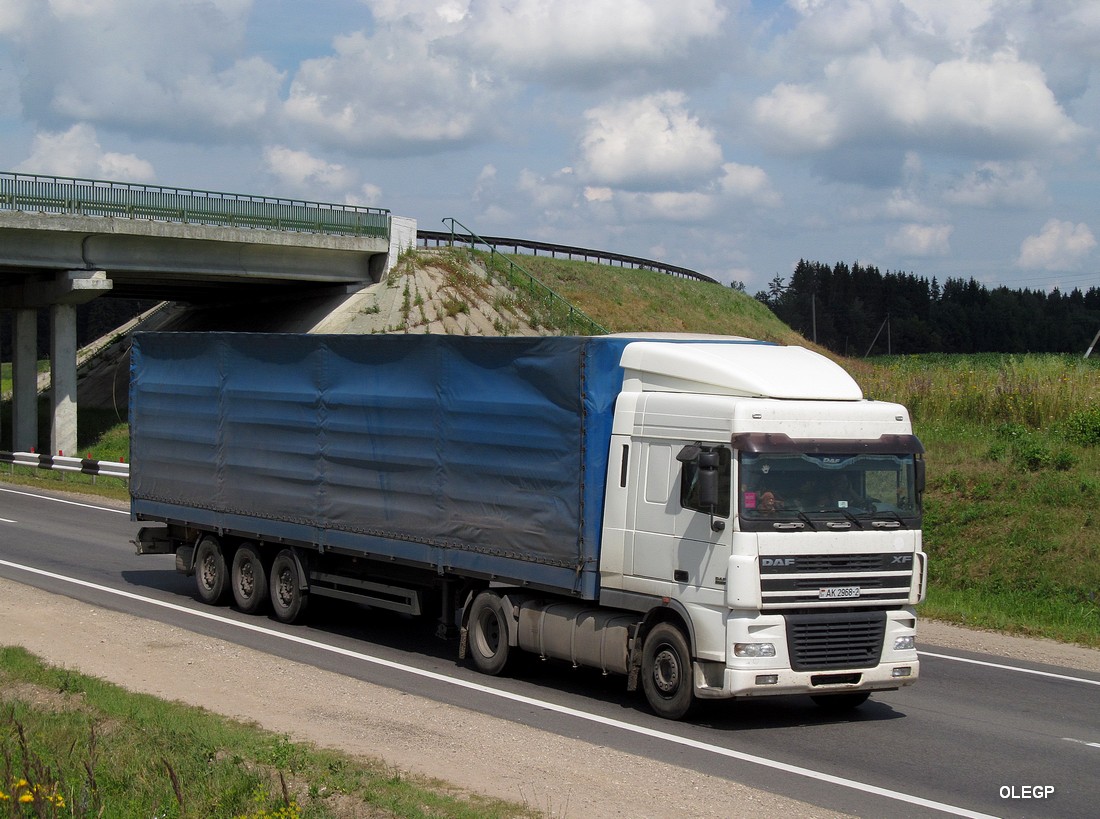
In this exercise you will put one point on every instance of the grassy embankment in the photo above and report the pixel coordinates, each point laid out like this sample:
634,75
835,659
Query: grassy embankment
75,746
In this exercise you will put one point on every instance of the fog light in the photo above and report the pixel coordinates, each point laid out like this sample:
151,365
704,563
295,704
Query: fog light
767,679
904,643
902,671
753,650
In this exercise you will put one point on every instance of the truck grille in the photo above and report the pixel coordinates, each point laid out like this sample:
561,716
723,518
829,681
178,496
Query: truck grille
807,580
824,641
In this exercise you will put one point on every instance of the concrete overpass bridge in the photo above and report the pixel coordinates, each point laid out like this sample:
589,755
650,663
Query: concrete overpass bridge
66,241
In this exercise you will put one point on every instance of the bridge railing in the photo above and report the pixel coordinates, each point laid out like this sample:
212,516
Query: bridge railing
558,309
94,197
86,466
554,250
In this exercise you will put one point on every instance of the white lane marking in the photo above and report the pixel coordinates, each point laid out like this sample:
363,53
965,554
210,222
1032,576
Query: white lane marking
62,500
6,520
1010,668
1082,742
523,700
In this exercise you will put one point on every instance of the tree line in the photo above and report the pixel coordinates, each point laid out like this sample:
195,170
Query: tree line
857,310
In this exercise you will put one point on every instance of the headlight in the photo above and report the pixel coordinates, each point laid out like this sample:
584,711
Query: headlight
904,643
753,650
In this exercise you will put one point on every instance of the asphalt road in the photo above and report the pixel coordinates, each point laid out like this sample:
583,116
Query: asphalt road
977,735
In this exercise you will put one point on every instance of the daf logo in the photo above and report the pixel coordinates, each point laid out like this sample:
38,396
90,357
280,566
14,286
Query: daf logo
777,561
903,559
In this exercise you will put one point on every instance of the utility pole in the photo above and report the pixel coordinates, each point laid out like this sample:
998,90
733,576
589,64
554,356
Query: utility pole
1095,338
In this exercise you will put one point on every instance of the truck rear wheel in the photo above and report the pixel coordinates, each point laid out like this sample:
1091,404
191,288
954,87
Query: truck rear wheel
488,627
249,579
288,598
211,574
666,672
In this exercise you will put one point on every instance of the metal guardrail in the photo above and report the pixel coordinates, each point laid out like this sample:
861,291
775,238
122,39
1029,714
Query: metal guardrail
516,275
95,197
85,466
587,254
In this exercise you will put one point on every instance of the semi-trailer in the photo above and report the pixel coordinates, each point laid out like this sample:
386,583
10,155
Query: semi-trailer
711,517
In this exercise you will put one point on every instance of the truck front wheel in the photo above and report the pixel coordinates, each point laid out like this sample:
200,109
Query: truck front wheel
488,634
288,598
211,574
666,672
249,579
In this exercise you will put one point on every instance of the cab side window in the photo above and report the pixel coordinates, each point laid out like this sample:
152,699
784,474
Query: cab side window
689,484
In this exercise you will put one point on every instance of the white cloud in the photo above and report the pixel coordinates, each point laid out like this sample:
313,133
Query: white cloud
302,173
650,143
796,119
993,184
167,68
77,152
391,95
1058,246
585,38
368,195
749,182
13,15
920,74
592,194
914,240
554,193
683,207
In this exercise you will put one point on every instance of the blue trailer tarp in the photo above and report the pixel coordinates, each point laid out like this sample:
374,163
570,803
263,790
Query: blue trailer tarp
475,455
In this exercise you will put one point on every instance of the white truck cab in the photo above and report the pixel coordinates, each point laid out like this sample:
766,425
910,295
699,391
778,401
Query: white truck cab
771,514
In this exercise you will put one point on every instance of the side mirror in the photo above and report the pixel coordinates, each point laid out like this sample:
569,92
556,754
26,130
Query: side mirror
921,475
708,480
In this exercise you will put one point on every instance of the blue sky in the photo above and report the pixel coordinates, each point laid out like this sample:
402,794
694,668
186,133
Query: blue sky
937,137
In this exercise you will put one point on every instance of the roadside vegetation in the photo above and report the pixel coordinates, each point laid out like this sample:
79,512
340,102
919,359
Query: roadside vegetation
76,746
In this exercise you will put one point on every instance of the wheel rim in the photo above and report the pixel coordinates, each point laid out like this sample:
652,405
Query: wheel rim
666,671
209,571
285,588
247,582
488,633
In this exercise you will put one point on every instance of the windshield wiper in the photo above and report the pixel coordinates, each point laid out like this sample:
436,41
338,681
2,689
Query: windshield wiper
895,521
852,518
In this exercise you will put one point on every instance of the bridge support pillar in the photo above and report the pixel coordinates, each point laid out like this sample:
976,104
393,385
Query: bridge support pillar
62,295
24,392
63,379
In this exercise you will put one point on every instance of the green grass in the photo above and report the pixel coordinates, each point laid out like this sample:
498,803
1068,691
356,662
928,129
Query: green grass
1012,511
75,746
628,300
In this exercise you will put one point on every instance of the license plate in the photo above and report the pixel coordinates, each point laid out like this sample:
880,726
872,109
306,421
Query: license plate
838,593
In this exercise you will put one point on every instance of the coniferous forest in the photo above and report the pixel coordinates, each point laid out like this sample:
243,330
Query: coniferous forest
857,310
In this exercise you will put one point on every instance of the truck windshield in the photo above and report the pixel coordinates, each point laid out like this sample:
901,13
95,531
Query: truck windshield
795,486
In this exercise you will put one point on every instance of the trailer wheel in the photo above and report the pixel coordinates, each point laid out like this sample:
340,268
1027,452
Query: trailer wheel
666,672
840,702
488,641
211,574
288,598
249,579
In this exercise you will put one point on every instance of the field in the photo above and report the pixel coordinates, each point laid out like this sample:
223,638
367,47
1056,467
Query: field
1012,511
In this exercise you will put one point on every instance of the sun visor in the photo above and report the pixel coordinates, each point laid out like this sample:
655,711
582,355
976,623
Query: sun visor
736,368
